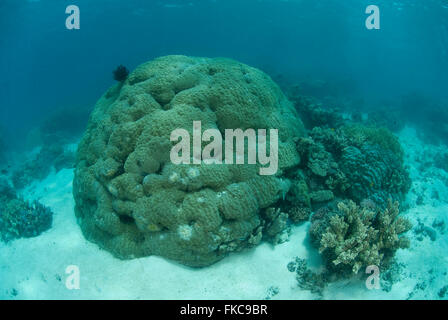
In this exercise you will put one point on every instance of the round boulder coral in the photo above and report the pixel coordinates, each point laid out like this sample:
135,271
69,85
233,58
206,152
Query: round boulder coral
133,201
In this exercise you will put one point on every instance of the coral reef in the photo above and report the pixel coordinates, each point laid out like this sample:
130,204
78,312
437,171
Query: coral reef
272,292
354,237
354,162
299,214
3,146
313,114
120,73
131,200
359,135
443,292
441,160
421,231
307,279
19,218
330,91
39,166
427,113
5,189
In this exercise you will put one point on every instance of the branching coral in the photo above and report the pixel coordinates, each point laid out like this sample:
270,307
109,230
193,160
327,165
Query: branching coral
354,237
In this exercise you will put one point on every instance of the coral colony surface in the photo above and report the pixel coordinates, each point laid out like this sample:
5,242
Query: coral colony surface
346,195
130,198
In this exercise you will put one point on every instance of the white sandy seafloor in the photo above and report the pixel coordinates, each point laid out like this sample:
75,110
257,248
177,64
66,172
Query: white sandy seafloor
35,268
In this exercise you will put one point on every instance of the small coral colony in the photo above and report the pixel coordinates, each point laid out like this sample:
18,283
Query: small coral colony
345,177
